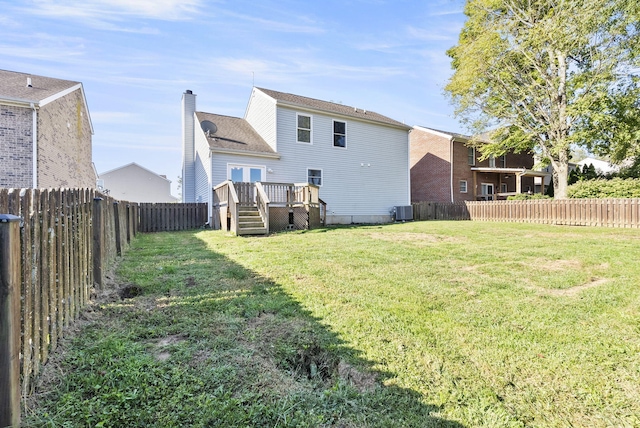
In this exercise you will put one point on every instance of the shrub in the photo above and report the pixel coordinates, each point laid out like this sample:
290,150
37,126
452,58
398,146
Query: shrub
526,196
614,188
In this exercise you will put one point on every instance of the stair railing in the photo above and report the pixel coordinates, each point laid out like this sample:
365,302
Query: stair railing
262,201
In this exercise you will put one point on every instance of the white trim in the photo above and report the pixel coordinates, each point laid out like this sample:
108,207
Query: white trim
321,176
474,155
434,132
466,186
262,168
310,116
67,91
245,153
451,141
333,133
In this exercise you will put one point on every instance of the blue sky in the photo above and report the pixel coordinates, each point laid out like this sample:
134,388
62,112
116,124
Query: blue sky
135,58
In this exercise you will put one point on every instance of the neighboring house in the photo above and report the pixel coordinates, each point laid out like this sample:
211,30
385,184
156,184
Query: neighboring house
602,167
45,133
358,158
444,168
135,183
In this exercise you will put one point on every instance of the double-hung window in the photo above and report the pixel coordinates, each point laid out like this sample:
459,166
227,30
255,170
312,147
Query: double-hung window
304,128
471,155
463,186
492,161
339,134
314,176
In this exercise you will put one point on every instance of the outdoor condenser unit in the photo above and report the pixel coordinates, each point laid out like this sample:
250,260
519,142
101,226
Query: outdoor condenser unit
403,213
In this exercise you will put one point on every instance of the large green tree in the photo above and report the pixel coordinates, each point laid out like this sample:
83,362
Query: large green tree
548,75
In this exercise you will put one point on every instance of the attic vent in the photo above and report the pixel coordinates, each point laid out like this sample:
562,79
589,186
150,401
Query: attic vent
208,127
403,213
29,85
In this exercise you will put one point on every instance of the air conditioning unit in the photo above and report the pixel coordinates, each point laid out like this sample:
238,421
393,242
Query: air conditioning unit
403,213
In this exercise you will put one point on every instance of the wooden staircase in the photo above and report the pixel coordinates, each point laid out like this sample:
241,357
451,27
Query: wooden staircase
250,222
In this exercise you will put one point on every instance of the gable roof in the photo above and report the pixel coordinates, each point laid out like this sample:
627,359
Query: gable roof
292,100
234,134
135,165
446,134
14,89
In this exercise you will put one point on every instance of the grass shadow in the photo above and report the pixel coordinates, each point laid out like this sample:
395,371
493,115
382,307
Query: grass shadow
206,342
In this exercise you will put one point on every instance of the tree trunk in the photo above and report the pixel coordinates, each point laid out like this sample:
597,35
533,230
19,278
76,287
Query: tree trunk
560,179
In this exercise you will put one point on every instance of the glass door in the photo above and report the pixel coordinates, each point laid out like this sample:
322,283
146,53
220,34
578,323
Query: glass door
245,173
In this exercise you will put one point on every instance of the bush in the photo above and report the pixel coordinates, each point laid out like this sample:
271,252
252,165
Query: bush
614,188
526,196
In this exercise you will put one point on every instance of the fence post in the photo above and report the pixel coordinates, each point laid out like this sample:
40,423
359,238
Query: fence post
116,218
98,241
10,268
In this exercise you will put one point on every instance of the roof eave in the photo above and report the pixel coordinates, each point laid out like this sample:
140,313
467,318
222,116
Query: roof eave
220,150
334,113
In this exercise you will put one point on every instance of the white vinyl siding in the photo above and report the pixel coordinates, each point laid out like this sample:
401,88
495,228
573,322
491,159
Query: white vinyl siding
352,182
202,168
261,115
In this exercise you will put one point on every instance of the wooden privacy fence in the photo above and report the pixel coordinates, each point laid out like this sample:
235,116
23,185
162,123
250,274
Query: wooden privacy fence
573,212
172,217
55,246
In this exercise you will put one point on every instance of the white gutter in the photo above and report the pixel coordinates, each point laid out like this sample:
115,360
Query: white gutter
34,142
451,163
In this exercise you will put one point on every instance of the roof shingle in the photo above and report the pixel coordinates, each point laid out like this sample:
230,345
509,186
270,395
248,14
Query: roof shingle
329,107
13,85
234,133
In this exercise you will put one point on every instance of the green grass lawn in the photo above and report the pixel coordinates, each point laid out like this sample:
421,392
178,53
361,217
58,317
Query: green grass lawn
416,324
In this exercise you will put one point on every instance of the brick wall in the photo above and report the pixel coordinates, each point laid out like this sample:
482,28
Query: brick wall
16,147
430,167
64,144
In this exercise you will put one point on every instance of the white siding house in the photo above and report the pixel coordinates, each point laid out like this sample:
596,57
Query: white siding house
360,159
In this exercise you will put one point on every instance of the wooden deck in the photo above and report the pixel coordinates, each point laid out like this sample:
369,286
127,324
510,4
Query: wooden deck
261,208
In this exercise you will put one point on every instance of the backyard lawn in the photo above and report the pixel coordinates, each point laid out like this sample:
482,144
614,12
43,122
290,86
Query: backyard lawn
453,324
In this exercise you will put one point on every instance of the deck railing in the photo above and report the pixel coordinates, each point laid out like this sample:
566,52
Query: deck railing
282,206
263,203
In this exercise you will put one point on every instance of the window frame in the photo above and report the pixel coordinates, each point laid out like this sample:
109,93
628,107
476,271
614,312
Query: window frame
504,188
465,184
298,128
248,167
503,161
321,176
335,134
471,156
492,161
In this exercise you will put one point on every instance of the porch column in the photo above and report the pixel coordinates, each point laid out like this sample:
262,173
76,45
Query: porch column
518,182
475,185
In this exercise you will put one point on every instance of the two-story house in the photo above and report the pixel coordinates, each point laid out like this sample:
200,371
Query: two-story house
359,159
135,183
446,168
45,133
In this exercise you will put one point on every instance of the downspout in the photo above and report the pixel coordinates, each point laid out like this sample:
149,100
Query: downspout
34,137
451,163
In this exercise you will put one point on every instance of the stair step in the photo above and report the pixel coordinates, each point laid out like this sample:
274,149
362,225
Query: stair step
252,231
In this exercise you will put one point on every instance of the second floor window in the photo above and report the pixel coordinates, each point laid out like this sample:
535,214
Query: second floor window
304,128
339,134
471,155
492,161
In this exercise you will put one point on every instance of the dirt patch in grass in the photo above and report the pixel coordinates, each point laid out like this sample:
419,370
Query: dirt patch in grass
573,291
291,347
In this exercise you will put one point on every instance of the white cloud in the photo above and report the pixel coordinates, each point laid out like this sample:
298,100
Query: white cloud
169,10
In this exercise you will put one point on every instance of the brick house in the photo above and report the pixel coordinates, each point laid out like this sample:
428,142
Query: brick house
45,133
445,169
